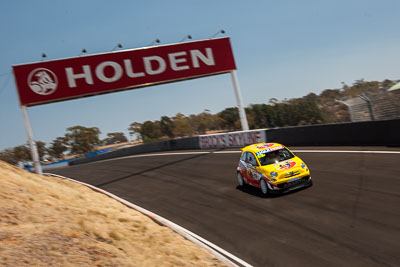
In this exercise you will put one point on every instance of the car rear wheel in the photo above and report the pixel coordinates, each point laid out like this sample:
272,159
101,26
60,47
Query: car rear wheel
264,187
240,179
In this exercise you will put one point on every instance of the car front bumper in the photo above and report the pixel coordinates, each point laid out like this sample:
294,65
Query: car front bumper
291,185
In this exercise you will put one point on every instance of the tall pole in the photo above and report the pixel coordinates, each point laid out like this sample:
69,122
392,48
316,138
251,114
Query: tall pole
242,113
32,144
365,97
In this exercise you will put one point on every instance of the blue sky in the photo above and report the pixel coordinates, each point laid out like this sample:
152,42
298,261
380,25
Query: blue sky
283,49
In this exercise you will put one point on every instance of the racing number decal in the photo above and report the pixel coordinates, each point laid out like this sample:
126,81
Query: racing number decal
286,165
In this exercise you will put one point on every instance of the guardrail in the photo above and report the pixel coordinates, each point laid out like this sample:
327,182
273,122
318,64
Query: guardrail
369,133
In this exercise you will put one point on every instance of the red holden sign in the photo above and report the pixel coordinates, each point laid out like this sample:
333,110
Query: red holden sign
56,80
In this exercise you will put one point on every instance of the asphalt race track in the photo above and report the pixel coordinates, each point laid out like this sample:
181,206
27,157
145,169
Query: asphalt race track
349,217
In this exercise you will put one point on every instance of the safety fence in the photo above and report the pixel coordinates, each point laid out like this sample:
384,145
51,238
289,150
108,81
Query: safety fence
376,106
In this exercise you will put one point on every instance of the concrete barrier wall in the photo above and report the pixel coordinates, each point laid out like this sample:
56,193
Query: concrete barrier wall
54,166
369,133
176,144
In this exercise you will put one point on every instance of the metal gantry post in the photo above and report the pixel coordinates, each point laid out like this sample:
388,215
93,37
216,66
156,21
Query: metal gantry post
365,97
32,144
242,113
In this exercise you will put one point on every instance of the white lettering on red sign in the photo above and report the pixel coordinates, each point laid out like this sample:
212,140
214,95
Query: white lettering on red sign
153,65
117,71
71,76
129,70
208,60
173,58
150,68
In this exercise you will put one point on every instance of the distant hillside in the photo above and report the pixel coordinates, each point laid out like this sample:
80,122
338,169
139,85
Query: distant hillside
329,101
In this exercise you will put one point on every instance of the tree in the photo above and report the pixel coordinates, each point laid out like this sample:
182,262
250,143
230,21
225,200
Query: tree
205,121
182,126
229,116
115,138
198,123
148,131
309,112
135,128
328,94
256,116
57,147
81,139
42,150
151,131
273,101
22,153
167,126
8,156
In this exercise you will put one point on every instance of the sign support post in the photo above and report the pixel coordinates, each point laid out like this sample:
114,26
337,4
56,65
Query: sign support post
32,144
242,113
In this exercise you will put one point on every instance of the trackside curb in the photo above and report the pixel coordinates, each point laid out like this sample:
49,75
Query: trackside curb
218,252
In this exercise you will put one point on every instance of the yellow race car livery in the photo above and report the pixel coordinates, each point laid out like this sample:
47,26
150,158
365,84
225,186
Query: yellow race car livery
272,167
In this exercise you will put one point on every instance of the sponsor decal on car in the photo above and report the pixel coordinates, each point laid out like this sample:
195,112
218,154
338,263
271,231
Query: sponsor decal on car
262,153
264,146
285,165
255,173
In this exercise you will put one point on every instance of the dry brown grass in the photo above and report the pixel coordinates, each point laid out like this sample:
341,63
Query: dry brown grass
53,222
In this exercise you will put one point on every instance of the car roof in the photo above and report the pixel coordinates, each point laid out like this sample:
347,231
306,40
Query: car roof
261,146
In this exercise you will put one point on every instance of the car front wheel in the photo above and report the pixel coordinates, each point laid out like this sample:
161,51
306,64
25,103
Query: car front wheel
264,187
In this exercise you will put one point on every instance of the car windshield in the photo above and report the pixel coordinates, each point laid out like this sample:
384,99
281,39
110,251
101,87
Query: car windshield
274,156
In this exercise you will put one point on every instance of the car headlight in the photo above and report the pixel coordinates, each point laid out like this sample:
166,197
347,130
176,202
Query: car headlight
273,174
303,165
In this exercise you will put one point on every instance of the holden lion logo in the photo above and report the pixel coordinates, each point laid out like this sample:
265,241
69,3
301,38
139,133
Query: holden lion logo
42,81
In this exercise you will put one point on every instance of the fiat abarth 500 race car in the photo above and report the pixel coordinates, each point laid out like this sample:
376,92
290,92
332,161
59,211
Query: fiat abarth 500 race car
272,167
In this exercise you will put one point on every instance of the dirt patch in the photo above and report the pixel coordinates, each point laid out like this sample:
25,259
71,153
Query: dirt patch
48,221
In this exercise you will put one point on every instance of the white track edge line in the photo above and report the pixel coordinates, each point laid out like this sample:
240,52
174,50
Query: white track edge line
147,155
238,151
214,249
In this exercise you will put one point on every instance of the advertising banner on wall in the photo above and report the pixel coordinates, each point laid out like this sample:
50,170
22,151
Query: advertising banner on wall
63,79
232,139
